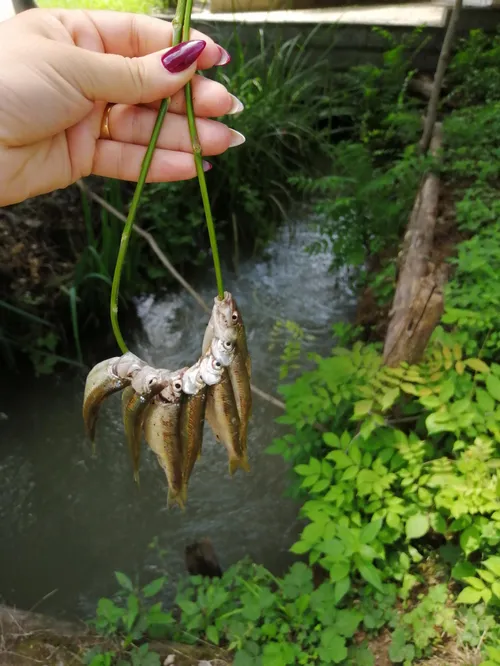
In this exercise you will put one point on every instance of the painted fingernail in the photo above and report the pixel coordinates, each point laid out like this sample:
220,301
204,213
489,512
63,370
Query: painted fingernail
182,56
225,58
237,106
236,139
207,166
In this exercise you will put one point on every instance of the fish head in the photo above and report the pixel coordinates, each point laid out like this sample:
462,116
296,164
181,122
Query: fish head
226,317
128,365
149,381
223,351
211,369
173,389
192,381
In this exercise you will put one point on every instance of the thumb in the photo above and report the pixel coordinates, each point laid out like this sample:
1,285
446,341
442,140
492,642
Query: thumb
113,78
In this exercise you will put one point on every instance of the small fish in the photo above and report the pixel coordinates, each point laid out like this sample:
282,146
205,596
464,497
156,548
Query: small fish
147,383
192,420
129,365
223,418
227,328
226,324
105,378
162,433
222,322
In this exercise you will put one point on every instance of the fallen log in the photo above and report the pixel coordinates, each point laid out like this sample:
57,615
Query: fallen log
418,301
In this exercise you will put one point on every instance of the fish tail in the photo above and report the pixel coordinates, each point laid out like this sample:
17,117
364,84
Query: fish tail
176,497
236,463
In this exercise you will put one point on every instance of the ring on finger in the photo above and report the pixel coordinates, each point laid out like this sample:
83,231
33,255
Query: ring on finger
105,133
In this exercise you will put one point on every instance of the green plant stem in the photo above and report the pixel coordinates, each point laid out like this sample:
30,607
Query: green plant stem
146,163
199,161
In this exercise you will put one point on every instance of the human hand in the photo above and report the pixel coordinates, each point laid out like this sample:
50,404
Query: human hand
58,71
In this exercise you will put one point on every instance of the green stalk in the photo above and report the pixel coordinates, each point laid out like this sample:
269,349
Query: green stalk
199,161
146,163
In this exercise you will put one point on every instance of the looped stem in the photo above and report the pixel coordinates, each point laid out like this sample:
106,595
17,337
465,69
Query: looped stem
177,24
199,161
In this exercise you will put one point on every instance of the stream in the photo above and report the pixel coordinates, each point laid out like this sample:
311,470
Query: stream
68,521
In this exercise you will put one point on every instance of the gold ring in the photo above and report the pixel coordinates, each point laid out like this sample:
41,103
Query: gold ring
105,133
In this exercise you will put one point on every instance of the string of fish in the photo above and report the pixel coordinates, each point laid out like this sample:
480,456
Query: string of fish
170,407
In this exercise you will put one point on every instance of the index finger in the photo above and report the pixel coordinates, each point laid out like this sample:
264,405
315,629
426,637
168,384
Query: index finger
132,35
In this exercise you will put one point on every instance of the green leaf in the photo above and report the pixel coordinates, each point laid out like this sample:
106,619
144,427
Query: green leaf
474,582
493,564
477,365
302,470
347,621
370,531
493,386
495,588
212,634
363,407
124,581
469,596
340,458
153,588
417,526
331,440
371,575
470,540
334,645
389,398
484,400
342,587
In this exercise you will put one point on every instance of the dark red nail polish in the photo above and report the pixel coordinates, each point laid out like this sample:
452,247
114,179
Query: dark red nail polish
182,56
224,59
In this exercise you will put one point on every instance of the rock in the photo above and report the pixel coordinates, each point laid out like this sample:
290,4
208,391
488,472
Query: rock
201,559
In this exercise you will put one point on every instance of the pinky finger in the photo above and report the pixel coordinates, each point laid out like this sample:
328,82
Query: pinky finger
123,161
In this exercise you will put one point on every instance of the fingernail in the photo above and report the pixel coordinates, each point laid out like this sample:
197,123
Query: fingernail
237,106
225,58
236,138
206,165
182,56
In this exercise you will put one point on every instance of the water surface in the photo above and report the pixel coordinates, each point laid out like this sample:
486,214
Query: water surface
67,521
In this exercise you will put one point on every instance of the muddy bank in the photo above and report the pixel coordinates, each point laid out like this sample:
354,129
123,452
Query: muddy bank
27,637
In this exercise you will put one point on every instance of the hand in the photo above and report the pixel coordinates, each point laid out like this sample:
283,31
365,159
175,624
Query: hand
58,71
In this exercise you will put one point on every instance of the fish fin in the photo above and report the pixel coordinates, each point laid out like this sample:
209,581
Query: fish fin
239,463
175,498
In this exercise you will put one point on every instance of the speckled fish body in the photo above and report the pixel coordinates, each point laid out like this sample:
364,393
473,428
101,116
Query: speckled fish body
105,378
101,382
240,382
222,416
192,419
162,433
147,383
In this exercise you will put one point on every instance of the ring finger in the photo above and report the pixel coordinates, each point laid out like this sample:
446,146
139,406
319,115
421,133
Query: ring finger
134,125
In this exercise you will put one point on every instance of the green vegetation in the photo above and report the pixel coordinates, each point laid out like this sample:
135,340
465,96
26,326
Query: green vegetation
397,468
283,88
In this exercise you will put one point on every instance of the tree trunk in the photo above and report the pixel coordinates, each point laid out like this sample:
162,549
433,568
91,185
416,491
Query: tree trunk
444,58
418,302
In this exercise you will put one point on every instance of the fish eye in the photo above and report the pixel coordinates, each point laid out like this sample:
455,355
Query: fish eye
228,345
178,386
151,381
234,316
217,364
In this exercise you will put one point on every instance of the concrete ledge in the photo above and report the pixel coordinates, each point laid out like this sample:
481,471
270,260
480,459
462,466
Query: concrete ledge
412,15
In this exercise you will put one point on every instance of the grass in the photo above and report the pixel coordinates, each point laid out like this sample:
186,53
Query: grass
136,6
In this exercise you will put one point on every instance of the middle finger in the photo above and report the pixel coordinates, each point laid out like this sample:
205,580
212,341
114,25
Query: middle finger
132,124
210,99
